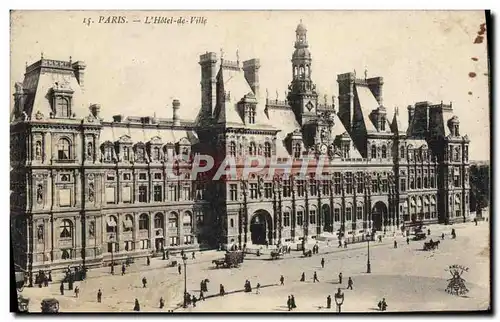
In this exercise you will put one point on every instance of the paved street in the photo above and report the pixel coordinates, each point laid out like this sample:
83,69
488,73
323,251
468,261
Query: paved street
410,279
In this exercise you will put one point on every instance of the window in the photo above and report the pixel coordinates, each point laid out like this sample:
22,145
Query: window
268,190
139,154
172,193
374,186
126,176
62,107
233,191
144,244
359,182
267,150
231,223
348,213
286,219
252,150
128,245
382,124
172,220
251,114
412,180
325,187
419,182
374,152
253,191
296,150
66,229
158,193
402,152
143,176
63,149
336,214
157,176
108,153
155,153
174,241
384,152
186,220
456,178
466,153
144,222
300,188
300,218
126,153
385,186
313,187
359,213
402,187
432,179
128,223
143,194
336,183
110,195
232,148
111,224
348,181
287,189
312,217
456,154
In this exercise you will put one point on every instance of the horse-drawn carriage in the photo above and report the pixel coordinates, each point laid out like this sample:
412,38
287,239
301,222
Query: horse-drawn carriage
420,235
275,254
231,259
307,253
431,245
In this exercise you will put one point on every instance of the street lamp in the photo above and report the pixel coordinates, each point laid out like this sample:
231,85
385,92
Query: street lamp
339,299
368,265
184,258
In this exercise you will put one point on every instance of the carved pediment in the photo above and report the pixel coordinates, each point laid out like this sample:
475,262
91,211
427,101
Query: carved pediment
125,139
184,141
155,140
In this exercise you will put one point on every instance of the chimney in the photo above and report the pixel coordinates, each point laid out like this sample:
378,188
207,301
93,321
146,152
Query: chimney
346,99
208,63
95,109
411,113
79,68
251,70
117,118
375,85
175,106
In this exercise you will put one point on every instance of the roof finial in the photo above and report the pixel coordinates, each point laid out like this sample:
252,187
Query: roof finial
267,93
354,73
396,110
237,56
42,55
221,54
70,59
366,73
277,95
325,98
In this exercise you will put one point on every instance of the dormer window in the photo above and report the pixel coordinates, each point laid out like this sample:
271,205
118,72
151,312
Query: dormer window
252,149
267,150
374,152
382,124
62,107
63,149
155,153
126,153
107,152
140,155
61,100
456,131
250,112
296,150
232,148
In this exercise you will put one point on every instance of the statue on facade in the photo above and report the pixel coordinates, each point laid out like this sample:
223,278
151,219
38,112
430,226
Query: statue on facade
92,228
260,185
39,194
91,192
38,150
90,150
40,232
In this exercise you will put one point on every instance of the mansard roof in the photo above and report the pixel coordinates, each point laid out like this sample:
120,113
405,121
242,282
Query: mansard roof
114,132
367,104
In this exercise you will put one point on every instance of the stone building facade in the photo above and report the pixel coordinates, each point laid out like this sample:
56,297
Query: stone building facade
86,191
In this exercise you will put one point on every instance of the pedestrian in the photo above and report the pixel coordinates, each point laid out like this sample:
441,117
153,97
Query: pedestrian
395,244
289,303
315,278
475,221
182,253
379,238
193,255
328,302
293,302
382,305
144,282
340,278
123,269
77,291
222,291
179,269
442,236
148,262
428,232
303,277
340,244
282,280
349,283
137,306
61,288
99,296
45,281
194,300
202,296
322,262
408,240
345,243
167,254
257,291
50,276
162,303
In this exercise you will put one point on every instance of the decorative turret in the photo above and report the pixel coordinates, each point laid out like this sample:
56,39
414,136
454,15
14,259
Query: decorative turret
175,107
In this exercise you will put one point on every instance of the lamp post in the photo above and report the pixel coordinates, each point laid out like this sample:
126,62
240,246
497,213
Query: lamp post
111,237
339,299
368,265
184,258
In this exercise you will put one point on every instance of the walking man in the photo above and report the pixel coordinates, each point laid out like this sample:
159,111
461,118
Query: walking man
282,280
61,288
293,302
193,255
77,291
144,282
395,244
315,278
222,292
303,277
328,302
137,306
349,283
148,262
179,269
289,303
322,262
123,269
99,296
202,296
340,278
162,303
257,291
408,240
442,236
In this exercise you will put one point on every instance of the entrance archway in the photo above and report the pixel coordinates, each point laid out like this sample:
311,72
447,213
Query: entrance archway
261,227
327,220
379,215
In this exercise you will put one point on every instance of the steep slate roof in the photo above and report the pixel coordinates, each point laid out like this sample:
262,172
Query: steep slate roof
287,124
396,123
114,132
367,104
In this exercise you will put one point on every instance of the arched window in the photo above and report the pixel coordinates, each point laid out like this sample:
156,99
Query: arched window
252,148
128,223
267,149
286,219
108,152
348,213
296,152
186,220
231,223
374,152
308,71
172,220
300,217
232,148
144,222
62,107
156,153
384,152
159,220
66,229
126,153
336,213
301,71
63,149
402,152
111,224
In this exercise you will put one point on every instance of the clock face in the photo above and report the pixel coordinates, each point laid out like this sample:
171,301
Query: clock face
323,148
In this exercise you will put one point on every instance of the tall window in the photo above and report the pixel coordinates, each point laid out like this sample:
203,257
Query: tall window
108,153
66,229
232,148
402,152
426,179
63,149
432,179
300,218
287,189
111,224
385,186
312,217
336,214
267,149
348,181
312,187
253,191
268,190
384,152
382,124
62,107
156,153
251,114
402,186
336,183
348,213
296,150
126,153
159,220
456,178
325,188
139,154
300,188
158,193
359,213
375,185
286,219
374,152
252,148
143,222
143,194
172,193
359,182
233,191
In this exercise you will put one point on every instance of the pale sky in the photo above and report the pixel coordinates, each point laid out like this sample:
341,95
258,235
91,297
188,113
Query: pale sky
138,69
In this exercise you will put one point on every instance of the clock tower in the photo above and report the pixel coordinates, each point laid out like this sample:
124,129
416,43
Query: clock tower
302,95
